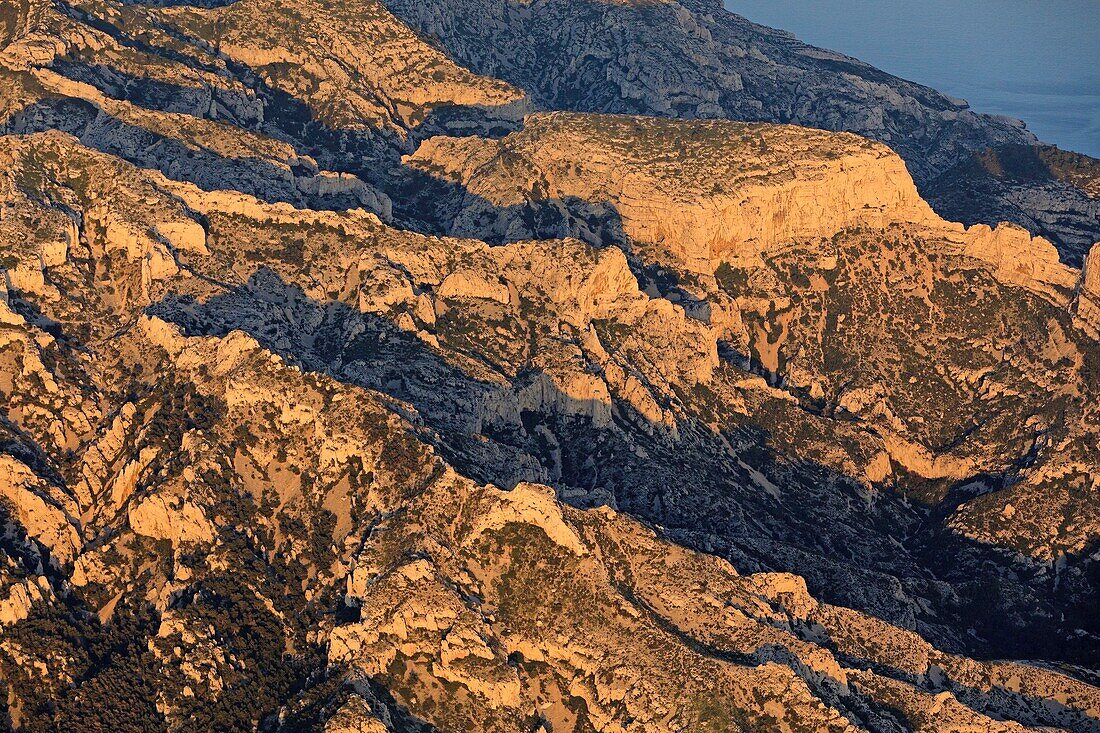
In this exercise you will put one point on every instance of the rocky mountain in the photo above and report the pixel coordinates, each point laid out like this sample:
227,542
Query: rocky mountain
345,390
693,59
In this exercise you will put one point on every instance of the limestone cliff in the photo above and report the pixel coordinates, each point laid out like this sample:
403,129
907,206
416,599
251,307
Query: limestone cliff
691,196
705,191
1088,293
336,394
694,59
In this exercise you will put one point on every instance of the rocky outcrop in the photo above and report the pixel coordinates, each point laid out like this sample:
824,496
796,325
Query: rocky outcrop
703,425
47,514
614,58
705,191
186,147
1088,293
170,518
1020,259
356,716
21,599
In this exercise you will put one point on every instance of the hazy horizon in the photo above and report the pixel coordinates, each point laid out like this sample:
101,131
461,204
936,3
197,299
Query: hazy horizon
1036,61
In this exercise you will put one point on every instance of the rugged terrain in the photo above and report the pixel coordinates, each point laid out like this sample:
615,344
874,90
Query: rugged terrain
693,59
343,390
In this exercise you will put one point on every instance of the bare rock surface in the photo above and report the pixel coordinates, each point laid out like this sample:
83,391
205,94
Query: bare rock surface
339,393
694,59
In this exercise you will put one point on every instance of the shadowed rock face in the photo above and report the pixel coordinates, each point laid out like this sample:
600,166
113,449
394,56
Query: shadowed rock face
338,395
694,59
1049,191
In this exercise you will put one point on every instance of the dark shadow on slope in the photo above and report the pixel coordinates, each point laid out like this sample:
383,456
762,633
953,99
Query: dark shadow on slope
463,120
372,155
368,351
15,442
997,184
1033,163
997,702
98,130
648,58
204,102
732,494
126,40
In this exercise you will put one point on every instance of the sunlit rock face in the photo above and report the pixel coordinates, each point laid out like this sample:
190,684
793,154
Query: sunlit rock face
708,191
1088,293
342,390
693,59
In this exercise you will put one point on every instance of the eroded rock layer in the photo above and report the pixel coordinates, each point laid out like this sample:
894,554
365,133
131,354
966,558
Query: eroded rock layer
683,426
693,59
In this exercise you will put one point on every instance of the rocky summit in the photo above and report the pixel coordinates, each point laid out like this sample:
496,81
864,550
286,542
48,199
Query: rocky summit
609,366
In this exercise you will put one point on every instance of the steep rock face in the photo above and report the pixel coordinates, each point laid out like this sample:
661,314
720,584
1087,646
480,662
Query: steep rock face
706,191
47,515
1050,192
691,196
1020,259
694,59
284,468
1088,293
